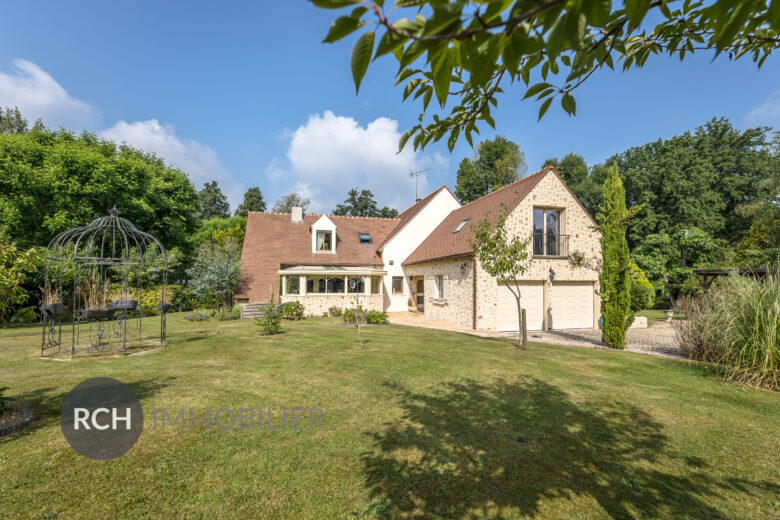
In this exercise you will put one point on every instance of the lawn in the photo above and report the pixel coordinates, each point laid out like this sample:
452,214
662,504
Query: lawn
657,315
420,423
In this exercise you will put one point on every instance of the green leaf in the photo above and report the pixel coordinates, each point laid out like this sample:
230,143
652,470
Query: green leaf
404,137
597,11
333,4
636,10
442,74
341,27
483,61
543,108
388,43
532,91
361,57
427,98
405,74
568,104
773,15
443,18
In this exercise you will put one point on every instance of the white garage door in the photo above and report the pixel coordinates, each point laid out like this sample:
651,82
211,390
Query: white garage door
531,299
571,305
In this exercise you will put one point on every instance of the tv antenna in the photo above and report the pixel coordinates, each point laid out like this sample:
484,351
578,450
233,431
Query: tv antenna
416,174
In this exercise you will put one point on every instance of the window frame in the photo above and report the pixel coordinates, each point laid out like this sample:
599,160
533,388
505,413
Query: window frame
400,281
367,242
324,232
461,226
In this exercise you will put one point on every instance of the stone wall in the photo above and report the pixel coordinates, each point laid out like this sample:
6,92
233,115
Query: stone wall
551,193
458,308
316,304
575,221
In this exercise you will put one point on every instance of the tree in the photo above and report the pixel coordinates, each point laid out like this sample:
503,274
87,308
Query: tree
51,181
572,168
215,271
213,203
614,278
219,229
503,258
12,121
288,202
15,265
253,201
496,163
363,204
472,50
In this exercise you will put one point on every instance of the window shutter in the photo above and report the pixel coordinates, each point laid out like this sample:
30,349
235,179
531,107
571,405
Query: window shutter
445,286
431,286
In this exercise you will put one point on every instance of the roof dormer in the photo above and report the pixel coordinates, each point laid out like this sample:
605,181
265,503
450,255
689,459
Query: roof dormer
323,235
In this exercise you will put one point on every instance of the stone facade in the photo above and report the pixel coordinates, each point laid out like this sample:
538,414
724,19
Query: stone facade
549,193
316,304
458,307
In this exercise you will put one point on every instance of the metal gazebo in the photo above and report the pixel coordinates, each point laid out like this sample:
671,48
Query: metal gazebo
96,274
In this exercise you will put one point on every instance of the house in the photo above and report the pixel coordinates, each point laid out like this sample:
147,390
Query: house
422,260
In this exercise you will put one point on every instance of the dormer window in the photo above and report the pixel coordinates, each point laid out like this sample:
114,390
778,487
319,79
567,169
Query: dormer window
324,240
460,226
365,238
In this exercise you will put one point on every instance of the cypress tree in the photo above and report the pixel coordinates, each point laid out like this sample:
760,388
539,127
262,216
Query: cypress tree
614,278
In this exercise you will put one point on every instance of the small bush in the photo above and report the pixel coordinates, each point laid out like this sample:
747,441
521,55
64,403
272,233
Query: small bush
335,311
292,310
737,325
376,317
228,314
349,315
4,400
198,315
270,321
641,290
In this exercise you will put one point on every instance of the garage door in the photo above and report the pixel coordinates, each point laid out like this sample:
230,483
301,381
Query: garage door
531,299
571,305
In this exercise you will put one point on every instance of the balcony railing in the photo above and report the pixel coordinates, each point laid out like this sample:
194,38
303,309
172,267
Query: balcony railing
550,244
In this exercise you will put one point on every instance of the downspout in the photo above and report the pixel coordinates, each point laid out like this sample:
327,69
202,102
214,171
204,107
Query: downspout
474,294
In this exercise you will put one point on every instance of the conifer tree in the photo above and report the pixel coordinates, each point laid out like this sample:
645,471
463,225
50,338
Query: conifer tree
614,278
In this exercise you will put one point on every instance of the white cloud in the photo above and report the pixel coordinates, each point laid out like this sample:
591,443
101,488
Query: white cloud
38,95
331,154
768,113
198,160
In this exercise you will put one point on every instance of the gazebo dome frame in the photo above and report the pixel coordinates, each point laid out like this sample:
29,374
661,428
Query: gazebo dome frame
108,260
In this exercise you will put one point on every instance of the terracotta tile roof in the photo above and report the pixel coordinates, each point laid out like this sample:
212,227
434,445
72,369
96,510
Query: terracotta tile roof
272,240
407,215
443,243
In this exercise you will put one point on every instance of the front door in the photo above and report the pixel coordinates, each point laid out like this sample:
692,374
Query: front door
421,295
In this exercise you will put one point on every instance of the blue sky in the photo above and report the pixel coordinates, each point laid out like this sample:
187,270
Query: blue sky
246,93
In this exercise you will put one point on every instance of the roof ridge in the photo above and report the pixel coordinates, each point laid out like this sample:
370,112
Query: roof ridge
502,188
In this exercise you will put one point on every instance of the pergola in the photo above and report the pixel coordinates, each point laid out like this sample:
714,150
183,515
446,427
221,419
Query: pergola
707,276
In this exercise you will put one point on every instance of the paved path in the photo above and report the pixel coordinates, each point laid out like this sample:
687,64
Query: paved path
658,339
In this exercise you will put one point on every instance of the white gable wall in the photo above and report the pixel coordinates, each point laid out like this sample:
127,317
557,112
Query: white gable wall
406,241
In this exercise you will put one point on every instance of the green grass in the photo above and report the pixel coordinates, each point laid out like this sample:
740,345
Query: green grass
657,315
420,423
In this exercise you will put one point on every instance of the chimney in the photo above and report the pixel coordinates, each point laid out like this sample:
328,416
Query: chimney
297,214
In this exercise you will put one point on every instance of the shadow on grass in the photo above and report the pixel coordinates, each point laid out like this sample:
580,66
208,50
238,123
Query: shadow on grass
46,403
477,450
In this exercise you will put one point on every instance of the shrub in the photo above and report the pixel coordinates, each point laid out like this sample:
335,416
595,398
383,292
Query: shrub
736,324
4,400
335,311
376,317
228,314
270,320
198,315
292,310
641,290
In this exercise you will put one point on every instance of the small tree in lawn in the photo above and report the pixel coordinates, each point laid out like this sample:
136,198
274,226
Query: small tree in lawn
501,257
614,279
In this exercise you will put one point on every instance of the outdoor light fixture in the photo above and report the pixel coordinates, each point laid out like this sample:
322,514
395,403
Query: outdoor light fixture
463,267
552,274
